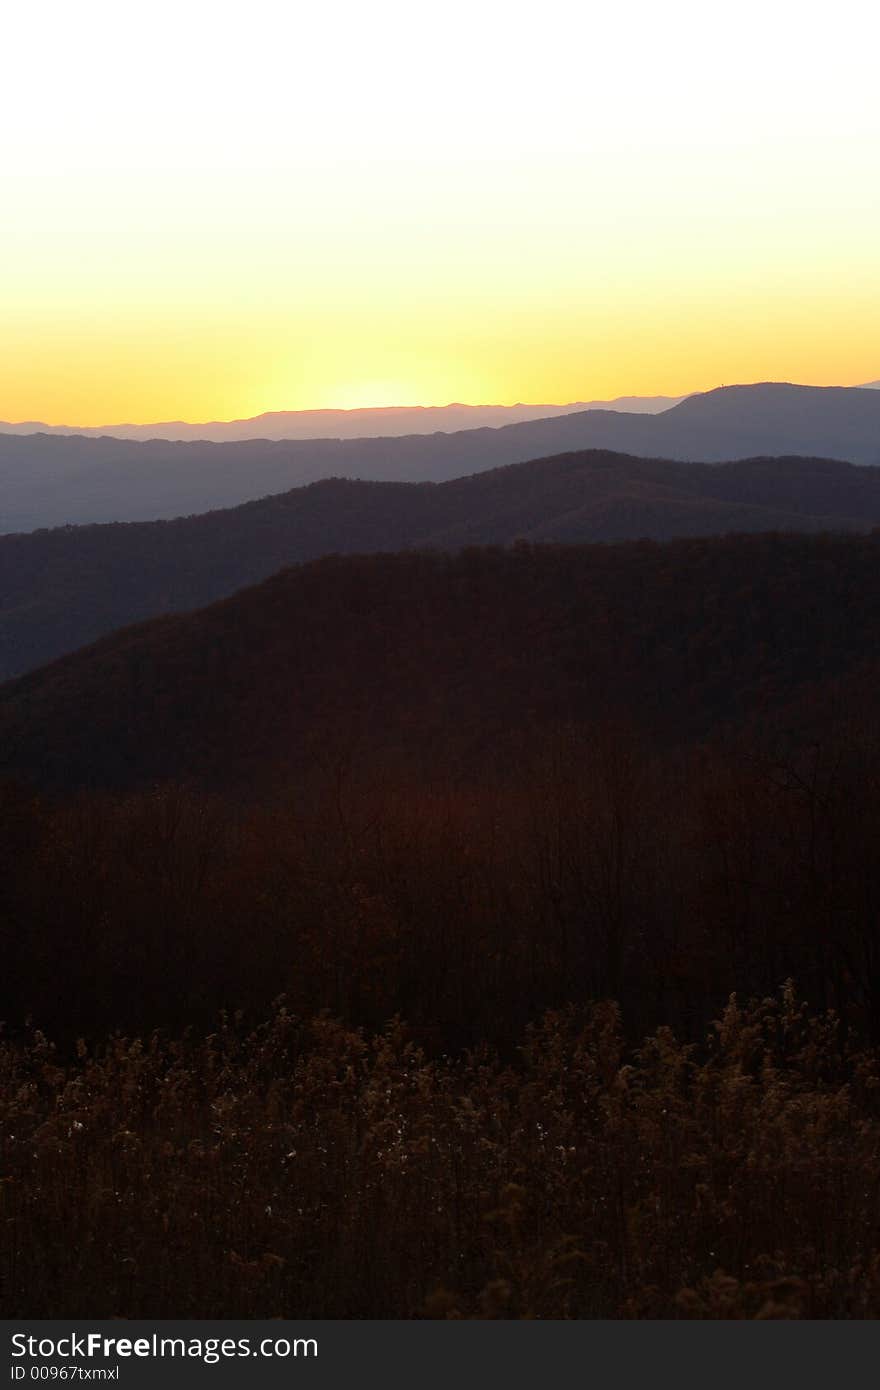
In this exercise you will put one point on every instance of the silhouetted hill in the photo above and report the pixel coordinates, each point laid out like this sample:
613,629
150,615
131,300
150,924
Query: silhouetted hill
440,660
365,423
55,480
65,587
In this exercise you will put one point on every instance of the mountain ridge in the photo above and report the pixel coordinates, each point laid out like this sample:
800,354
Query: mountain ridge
59,480
62,588
339,423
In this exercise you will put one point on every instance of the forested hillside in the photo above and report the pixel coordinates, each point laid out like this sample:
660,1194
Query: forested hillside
62,588
440,660
412,935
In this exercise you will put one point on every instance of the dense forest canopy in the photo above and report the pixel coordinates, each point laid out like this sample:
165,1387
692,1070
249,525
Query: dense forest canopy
414,935
440,662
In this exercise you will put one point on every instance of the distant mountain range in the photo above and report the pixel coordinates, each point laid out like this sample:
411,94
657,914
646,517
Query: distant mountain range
437,662
388,422
365,423
53,480
63,588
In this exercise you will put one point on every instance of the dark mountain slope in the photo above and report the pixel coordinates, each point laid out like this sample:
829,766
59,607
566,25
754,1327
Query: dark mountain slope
829,421
440,660
56,480
62,588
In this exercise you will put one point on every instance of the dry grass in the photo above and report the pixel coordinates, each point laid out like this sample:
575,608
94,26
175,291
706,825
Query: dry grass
305,1169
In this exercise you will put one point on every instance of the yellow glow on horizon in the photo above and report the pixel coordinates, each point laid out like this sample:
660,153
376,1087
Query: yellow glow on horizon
211,213
371,395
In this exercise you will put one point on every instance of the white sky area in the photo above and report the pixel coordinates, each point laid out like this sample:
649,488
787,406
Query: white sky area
109,86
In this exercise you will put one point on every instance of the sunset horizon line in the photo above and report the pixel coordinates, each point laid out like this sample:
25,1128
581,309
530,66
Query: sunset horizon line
396,407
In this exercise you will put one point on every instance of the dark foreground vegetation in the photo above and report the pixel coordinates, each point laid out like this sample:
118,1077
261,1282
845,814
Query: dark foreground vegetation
595,869
414,998
304,1170
513,1149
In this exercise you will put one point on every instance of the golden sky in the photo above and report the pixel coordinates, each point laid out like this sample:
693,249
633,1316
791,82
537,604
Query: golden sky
213,210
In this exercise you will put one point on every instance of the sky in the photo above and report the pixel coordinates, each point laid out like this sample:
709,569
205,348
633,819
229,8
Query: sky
212,210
